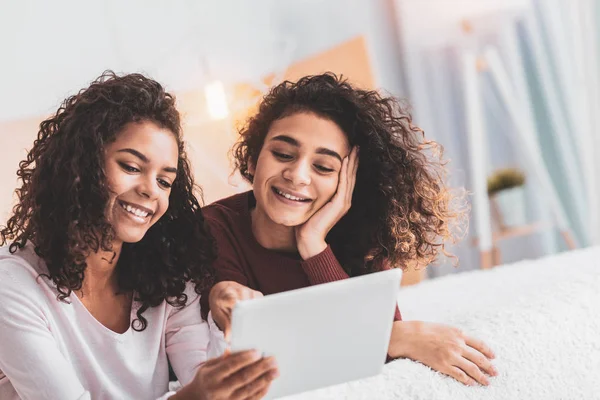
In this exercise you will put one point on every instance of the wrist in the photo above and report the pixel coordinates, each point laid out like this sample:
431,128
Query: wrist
185,393
310,248
401,340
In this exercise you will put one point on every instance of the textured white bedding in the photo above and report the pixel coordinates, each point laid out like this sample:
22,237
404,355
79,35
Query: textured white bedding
542,318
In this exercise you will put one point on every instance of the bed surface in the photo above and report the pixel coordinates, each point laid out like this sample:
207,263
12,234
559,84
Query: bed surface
541,317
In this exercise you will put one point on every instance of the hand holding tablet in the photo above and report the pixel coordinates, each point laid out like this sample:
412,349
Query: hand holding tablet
321,335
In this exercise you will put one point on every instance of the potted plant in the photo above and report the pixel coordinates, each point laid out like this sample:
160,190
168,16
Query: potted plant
506,192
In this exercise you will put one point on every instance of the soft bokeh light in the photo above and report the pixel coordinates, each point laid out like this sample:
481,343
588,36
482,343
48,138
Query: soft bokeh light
216,100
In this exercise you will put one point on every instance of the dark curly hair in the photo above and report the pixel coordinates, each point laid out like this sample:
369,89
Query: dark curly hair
402,212
64,193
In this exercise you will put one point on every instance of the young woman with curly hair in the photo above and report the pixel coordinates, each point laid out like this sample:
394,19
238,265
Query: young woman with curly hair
106,255
343,184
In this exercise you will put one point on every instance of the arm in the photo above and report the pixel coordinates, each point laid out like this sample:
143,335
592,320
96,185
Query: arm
445,349
229,277
323,267
227,266
187,338
29,355
320,264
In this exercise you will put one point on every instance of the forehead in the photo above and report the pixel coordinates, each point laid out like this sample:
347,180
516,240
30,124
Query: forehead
156,143
311,131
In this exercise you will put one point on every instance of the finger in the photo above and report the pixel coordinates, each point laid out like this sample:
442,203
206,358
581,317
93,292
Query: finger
480,360
222,318
480,346
254,372
213,362
250,294
353,163
260,394
258,387
233,363
226,293
231,295
227,333
461,376
343,181
473,371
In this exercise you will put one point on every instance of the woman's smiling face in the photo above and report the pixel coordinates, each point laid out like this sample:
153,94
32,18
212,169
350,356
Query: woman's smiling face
298,168
140,167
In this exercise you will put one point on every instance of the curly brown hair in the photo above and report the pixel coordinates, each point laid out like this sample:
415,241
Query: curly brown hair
402,211
64,192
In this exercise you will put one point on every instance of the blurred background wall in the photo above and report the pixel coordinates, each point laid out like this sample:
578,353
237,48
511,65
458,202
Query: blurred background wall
500,83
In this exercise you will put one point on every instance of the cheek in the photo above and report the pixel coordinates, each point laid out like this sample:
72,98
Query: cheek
328,187
116,181
261,165
162,206
261,175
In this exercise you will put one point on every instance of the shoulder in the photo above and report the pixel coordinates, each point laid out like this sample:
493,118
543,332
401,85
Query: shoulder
192,302
22,266
229,206
227,214
21,284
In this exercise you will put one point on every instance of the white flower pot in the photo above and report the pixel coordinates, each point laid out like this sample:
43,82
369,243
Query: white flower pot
511,204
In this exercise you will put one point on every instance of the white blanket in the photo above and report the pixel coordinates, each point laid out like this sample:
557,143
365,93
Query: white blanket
542,319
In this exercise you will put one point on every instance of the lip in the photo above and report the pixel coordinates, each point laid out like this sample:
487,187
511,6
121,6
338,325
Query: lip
139,207
295,194
288,202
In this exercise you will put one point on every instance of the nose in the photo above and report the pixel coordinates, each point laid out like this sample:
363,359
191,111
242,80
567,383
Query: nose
298,173
148,187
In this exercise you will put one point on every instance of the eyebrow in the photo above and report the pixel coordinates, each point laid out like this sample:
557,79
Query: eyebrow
294,142
145,159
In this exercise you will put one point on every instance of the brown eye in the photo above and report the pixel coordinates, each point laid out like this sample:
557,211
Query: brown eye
281,156
128,168
323,169
164,183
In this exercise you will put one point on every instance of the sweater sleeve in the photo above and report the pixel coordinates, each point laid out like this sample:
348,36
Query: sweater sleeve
187,338
323,268
29,355
227,265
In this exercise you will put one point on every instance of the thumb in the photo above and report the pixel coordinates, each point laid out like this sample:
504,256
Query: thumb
227,332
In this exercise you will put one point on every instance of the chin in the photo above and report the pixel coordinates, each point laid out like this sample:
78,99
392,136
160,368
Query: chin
133,240
290,221
130,237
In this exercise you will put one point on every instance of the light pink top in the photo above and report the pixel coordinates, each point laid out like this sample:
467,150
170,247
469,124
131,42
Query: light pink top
51,349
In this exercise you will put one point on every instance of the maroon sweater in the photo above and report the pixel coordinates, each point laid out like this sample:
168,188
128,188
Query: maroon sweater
242,259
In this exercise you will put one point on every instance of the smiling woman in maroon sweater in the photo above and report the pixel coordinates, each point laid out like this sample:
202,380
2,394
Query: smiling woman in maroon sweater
342,185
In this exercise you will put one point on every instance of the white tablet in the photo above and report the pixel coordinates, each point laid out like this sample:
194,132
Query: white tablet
321,335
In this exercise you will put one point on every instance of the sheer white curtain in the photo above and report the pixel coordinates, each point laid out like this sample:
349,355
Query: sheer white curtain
549,49
568,30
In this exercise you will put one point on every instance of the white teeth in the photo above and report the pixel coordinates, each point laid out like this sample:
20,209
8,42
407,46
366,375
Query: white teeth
289,196
135,211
